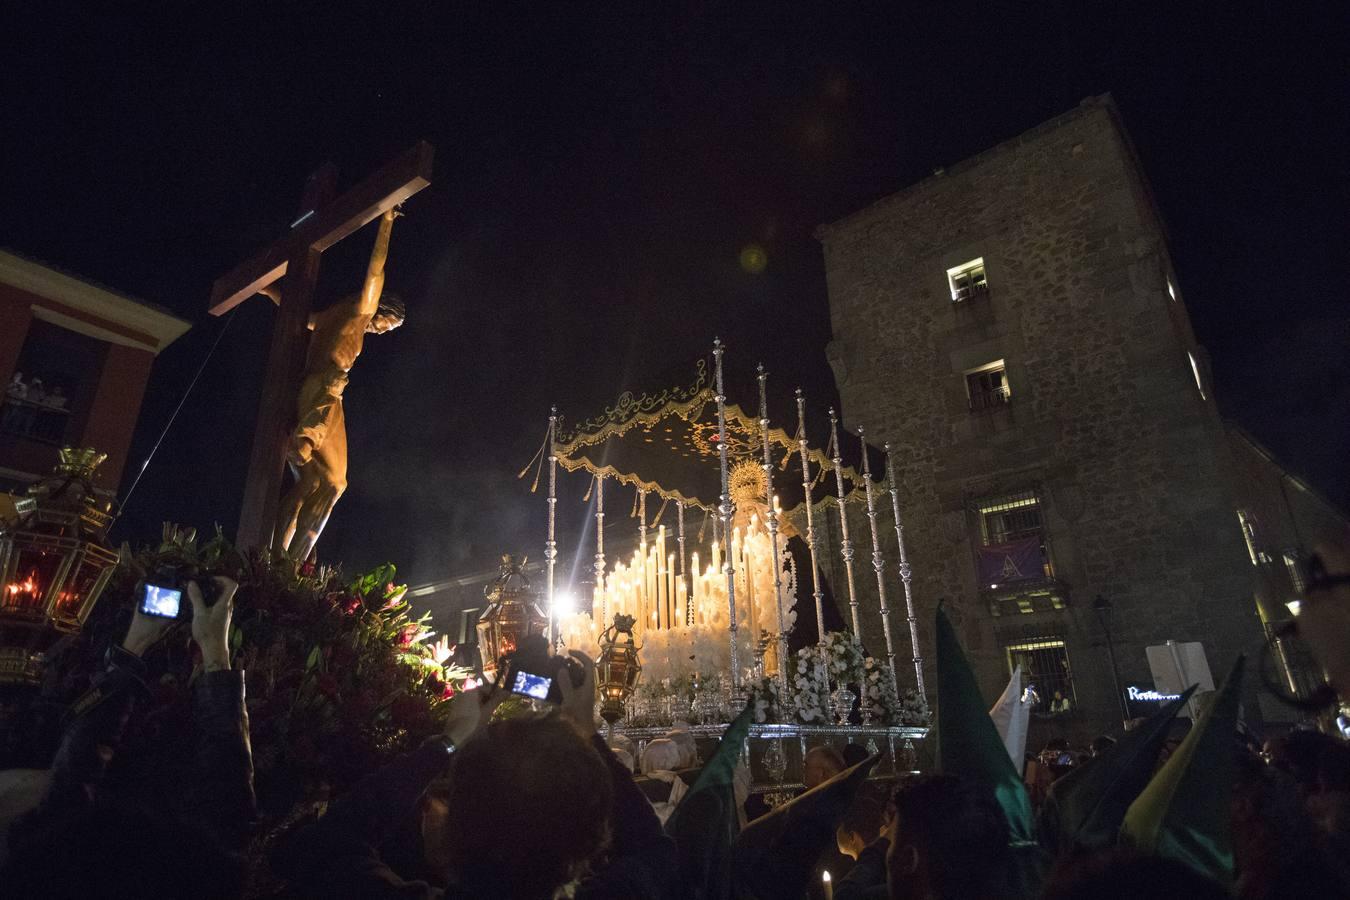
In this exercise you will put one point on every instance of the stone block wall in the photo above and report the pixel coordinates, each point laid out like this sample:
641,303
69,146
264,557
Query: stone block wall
1106,421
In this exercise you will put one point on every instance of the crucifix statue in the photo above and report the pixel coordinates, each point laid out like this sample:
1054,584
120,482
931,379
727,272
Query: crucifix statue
317,448
315,439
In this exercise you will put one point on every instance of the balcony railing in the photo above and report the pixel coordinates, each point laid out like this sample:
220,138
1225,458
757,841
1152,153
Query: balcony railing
990,398
969,292
39,422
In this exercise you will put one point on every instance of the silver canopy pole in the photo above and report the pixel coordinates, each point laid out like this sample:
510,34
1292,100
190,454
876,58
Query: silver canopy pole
845,542
551,546
727,510
772,522
878,563
905,575
810,519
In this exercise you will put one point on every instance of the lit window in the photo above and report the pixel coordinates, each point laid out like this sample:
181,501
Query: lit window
987,386
1249,535
1045,668
1195,370
967,281
1171,289
1295,570
1013,541
1010,518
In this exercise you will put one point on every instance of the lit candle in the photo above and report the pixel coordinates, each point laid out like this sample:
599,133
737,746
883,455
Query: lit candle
827,884
662,598
674,608
649,579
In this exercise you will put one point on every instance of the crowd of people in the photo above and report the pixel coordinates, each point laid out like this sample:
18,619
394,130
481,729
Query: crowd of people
540,805
33,409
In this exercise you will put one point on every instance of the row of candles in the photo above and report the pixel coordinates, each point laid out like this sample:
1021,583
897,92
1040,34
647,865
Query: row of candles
675,622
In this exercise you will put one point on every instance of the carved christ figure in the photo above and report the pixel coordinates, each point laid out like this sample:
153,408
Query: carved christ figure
318,445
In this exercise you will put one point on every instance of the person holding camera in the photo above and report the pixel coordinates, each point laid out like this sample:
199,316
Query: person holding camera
91,830
534,802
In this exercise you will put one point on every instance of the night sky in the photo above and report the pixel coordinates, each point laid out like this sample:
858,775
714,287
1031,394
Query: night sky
599,170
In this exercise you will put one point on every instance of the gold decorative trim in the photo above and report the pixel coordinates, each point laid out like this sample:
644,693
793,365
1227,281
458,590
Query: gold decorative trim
631,411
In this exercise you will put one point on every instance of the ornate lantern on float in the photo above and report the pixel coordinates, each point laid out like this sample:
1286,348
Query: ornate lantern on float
618,668
512,614
54,563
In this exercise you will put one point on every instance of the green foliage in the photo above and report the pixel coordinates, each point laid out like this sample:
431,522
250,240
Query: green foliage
341,676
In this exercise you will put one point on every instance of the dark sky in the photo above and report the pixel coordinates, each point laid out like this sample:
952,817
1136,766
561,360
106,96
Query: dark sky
599,168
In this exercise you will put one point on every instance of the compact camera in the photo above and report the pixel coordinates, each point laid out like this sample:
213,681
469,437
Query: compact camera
162,593
534,672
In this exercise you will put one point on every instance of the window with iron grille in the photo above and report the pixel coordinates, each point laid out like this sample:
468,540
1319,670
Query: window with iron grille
1008,518
967,281
1045,667
987,386
1295,569
1006,522
1247,522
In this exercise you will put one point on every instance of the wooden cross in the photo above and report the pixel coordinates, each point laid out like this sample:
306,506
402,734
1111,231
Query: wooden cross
323,221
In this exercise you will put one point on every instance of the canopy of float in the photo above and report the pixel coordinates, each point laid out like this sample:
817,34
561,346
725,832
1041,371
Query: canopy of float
665,441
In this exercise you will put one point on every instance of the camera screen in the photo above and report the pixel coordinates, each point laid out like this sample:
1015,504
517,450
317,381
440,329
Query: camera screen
161,601
535,686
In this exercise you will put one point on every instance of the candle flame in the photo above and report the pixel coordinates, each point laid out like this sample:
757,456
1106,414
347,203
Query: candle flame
27,586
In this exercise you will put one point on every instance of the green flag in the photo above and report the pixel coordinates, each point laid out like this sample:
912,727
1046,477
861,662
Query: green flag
1183,813
968,743
776,854
1084,808
705,825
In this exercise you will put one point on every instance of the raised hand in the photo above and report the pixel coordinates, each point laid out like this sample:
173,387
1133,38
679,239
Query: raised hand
578,703
441,650
143,632
470,712
211,624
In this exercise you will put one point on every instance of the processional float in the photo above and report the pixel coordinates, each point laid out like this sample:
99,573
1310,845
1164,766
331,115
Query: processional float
713,607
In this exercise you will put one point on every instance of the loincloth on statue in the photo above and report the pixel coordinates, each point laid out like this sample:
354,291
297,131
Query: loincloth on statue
318,404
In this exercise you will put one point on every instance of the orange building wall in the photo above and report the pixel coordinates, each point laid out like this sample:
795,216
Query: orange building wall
15,314
117,404
117,398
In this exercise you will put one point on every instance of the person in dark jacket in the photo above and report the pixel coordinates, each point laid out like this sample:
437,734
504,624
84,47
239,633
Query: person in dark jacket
947,840
532,803
87,838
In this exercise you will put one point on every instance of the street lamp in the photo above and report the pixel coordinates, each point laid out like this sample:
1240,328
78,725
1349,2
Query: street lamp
1102,607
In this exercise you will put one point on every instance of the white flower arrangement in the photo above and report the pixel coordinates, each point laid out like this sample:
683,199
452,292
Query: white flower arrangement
913,709
768,702
878,690
845,658
810,686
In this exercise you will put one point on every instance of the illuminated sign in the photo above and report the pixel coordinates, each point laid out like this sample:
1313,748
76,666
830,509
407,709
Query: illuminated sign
1144,700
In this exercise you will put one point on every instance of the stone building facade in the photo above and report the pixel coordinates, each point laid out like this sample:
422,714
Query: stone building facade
1013,327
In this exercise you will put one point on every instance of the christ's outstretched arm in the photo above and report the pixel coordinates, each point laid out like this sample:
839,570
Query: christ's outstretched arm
370,294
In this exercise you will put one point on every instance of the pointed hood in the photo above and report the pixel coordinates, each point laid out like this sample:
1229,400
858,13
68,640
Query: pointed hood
705,825
1011,717
1085,808
968,744
1183,813
776,855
